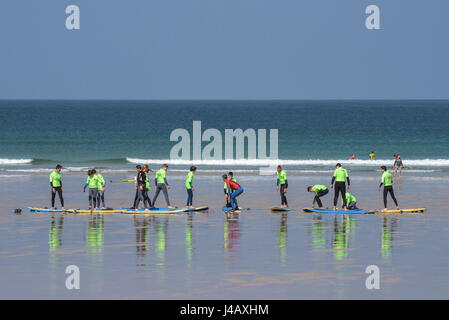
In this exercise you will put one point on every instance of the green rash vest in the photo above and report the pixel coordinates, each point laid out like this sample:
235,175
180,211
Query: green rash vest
340,174
92,181
147,181
318,187
387,179
101,182
349,198
161,174
55,179
226,186
282,177
189,180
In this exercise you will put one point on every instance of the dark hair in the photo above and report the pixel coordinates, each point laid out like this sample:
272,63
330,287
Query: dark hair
309,187
230,173
225,176
94,171
58,166
338,165
89,172
384,168
279,166
165,165
192,168
138,166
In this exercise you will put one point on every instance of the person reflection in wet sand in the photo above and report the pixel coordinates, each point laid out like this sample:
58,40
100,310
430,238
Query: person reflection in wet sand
189,240
387,236
282,238
142,239
231,231
55,233
160,227
342,235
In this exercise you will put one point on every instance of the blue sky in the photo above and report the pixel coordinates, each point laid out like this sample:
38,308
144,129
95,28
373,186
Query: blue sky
224,49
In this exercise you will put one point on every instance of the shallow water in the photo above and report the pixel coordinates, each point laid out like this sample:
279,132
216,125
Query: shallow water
208,255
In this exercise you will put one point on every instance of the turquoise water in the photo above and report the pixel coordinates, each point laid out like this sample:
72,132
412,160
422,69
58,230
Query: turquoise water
110,133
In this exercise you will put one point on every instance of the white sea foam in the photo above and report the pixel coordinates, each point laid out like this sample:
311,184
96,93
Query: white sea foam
310,162
15,161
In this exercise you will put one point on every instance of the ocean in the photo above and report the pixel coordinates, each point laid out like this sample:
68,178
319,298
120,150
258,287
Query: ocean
312,135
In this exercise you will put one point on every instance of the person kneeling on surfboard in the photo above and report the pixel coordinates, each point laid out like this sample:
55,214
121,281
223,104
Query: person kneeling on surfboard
318,190
387,182
234,190
282,180
189,187
340,177
351,201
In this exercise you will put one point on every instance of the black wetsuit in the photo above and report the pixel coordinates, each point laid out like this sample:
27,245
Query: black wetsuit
340,187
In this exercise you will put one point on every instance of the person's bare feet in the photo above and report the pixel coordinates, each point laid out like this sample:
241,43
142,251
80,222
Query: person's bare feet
385,210
397,208
334,208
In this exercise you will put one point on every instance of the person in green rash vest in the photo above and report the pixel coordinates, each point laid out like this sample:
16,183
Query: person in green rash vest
318,190
189,187
387,182
92,183
101,189
228,199
283,183
56,186
162,184
340,177
351,201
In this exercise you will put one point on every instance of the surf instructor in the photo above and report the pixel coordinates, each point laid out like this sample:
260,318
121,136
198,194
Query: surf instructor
340,177
56,186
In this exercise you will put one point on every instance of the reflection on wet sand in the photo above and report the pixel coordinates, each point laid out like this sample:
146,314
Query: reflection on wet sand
344,228
55,233
387,236
189,240
231,234
160,225
141,225
95,235
282,239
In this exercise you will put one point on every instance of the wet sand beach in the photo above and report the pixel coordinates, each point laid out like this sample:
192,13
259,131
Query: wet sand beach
208,255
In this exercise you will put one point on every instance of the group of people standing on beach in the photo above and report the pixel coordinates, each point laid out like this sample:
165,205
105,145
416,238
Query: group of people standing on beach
232,189
339,180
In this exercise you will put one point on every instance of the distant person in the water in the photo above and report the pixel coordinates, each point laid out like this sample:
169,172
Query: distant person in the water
398,165
351,201
372,156
352,157
282,185
318,190
234,190
56,186
340,178
387,183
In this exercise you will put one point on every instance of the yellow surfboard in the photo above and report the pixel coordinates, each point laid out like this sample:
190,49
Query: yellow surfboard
417,210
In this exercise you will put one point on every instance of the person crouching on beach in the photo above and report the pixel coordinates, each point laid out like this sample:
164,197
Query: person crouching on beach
318,190
234,190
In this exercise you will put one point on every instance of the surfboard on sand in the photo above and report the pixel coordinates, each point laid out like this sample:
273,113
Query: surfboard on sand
279,209
330,211
416,210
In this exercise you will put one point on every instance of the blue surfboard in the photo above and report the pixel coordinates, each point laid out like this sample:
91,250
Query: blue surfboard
330,211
